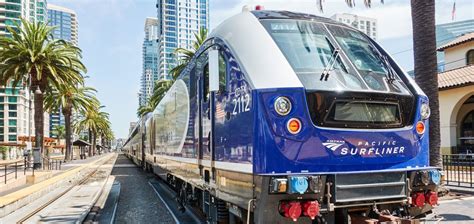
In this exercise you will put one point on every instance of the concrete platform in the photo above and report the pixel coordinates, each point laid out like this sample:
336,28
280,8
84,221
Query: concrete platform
72,173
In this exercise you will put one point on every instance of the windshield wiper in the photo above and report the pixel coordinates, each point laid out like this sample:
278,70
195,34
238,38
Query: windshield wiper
385,63
335,57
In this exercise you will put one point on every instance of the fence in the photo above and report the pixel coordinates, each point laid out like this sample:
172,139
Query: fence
10,169
458,169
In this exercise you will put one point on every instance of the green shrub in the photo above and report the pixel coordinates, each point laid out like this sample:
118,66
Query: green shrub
3,152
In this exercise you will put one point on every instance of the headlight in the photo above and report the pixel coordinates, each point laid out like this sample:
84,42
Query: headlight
425,111
282,106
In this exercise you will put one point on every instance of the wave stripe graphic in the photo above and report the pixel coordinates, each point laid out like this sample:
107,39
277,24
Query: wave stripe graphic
333,146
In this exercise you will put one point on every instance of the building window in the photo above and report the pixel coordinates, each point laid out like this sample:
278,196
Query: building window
12,99
470,57
12,138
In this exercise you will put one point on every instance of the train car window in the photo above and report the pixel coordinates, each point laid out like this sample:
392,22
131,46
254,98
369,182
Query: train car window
222,74
206,82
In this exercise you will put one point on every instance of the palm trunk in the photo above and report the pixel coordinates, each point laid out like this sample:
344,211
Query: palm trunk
39,121
94,138
426,74
90,142
67,121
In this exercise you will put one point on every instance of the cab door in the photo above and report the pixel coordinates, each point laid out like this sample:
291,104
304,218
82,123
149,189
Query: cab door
205,117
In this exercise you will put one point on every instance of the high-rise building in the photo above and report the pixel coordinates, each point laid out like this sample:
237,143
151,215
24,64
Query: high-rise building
447,32
66,22
362,23
150,60
11,12
16,106
178,21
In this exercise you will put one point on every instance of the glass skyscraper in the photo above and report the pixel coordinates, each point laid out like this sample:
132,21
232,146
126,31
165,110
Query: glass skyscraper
178,21
66,22
150,60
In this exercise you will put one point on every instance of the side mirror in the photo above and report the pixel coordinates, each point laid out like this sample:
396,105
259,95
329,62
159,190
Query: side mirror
213,70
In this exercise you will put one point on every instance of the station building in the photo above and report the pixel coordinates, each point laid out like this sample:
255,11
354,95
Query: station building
456,95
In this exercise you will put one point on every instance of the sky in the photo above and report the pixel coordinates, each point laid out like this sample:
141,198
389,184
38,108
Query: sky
111,33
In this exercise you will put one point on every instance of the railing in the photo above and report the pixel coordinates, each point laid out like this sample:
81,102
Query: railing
14,167
51,164
10,168
458,169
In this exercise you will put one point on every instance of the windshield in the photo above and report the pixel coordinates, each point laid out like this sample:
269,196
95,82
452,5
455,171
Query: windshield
307,47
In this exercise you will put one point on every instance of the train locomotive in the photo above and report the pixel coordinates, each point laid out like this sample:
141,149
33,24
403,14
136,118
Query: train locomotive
284,117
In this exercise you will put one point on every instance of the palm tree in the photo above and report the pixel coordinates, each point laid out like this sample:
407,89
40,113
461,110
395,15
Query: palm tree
31,56
59,131
94,121
145,109
70,99
426,75
184,55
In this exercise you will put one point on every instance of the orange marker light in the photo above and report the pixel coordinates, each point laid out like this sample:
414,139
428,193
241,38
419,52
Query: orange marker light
294,125
420,127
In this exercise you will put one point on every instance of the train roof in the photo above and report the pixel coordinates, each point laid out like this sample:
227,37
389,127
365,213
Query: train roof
252,46
271,14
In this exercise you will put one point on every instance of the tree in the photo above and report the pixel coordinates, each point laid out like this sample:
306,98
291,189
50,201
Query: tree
31,57
426,75
185,56
69,99
59,131
145,109
95,122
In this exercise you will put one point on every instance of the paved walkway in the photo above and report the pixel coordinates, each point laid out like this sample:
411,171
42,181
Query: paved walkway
18,204
138,202
457,211
18,183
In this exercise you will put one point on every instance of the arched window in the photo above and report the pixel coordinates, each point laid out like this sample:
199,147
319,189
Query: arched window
467,129
470,57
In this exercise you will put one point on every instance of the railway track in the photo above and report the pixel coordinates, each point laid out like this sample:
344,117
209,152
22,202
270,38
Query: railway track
83,180
167,196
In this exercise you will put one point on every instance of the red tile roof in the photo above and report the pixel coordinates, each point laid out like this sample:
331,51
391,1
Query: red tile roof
456,77
459,40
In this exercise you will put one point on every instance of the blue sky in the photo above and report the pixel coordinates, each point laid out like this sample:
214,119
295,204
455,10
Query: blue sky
111,35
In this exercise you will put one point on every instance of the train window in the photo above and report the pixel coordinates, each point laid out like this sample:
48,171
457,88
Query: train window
371,64
307,48
206,82
222,74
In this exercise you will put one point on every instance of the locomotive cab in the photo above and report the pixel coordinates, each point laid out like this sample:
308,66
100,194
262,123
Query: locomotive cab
284,117
352,140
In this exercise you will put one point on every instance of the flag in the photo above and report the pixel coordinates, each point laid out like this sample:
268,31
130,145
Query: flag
453,13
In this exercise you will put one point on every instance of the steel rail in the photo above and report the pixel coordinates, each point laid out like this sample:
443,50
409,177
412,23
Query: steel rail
42,207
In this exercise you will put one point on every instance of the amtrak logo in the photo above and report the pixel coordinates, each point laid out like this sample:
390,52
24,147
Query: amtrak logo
364,148
333,144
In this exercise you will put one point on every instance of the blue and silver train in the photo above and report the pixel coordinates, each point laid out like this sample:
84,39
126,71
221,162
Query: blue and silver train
284,117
